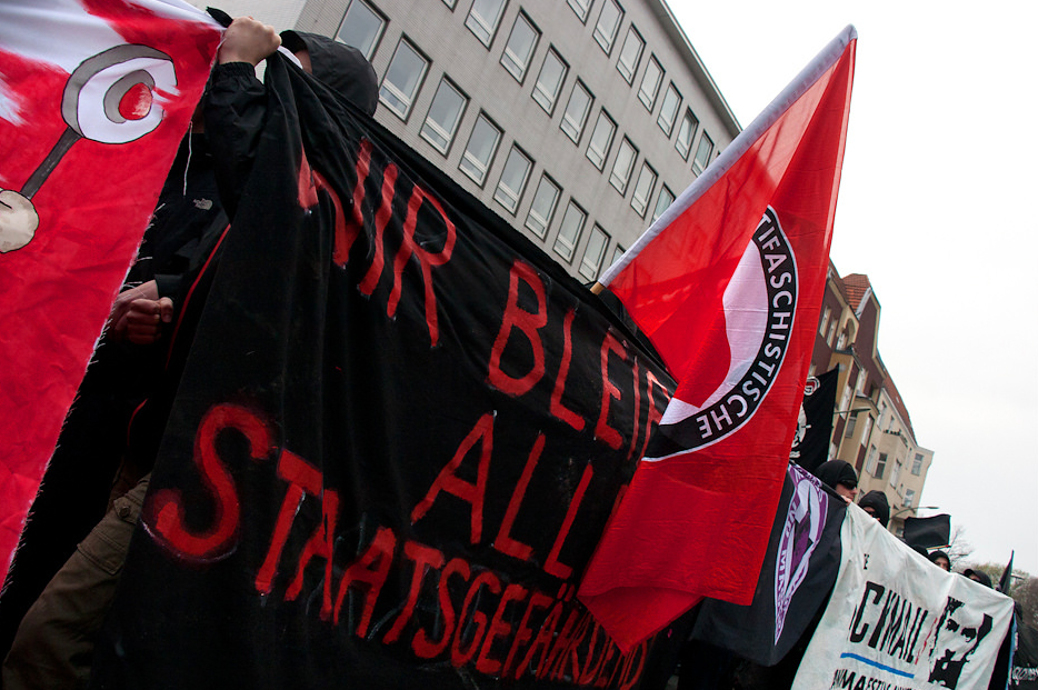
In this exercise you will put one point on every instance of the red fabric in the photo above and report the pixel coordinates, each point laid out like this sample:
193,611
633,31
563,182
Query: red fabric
696,524
93,209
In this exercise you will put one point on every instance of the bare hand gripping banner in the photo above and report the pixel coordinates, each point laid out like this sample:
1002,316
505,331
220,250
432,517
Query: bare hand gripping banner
400,433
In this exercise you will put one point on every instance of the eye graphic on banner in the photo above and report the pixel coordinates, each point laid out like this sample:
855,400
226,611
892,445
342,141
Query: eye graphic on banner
759,306
114,97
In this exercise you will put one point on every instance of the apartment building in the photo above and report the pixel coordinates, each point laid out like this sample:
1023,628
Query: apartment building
578,121
872,429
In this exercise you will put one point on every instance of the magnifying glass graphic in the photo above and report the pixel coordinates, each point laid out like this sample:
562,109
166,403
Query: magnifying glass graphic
109,98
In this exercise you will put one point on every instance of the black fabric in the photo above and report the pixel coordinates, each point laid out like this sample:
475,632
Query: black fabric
930,532
811,443
794,583
381,469
1023,672
75,489
877,500
836,472
341,68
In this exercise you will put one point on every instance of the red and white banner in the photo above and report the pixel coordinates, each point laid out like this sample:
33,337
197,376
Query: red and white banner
895,620
727,284
95,96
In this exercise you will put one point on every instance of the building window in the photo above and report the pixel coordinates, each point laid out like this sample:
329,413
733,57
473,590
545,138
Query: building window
630,55
520,47
618,251
841,342
441,124
594,252
513,179
917,464
403,79
643,189
608,25
881,466
702,154
870,461
909,498
361,28
826,313
651,81
669,109
483,19
549,81
543,207
623,165
450,3
663,202
569,232
601,140
866,428
851,423
895,474
581,8
480,150
575,116
832,334
686,133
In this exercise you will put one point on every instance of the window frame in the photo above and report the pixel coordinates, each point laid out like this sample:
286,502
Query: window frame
668,126
629,77
579,6
383,23
525,68
472,159
435,126
649,101
550,107
689,117
602,113
545,179
657,211
566,120
394,90
481,22
579,231
596,269
516,196
695,161
618,182
648,194
599,37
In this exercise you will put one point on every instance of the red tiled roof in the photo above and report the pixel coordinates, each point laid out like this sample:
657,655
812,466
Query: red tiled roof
855,285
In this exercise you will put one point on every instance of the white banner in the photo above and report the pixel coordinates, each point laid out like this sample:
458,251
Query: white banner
895,621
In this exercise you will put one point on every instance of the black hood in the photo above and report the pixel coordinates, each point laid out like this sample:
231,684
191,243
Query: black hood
877,500
982,577
837,472
338,66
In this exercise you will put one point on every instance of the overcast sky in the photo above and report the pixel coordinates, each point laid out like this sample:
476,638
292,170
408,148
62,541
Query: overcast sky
937,208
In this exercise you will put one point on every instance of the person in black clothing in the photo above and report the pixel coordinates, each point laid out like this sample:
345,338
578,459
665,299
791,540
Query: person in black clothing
840,477
875,503
45,655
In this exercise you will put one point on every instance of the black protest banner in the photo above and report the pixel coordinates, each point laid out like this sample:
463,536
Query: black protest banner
932,532
815,426
800,568
397,440
1023,672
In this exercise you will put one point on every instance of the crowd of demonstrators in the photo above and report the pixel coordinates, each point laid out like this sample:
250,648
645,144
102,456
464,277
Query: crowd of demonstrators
51,612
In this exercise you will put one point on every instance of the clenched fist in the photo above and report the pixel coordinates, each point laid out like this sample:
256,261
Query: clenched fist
18,220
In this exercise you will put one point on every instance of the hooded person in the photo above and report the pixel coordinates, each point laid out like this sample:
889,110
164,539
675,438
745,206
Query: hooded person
340,67
875,503
940,559
978,576
839,476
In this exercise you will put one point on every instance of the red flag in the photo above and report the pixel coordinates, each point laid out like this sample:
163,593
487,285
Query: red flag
727,284
95,96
